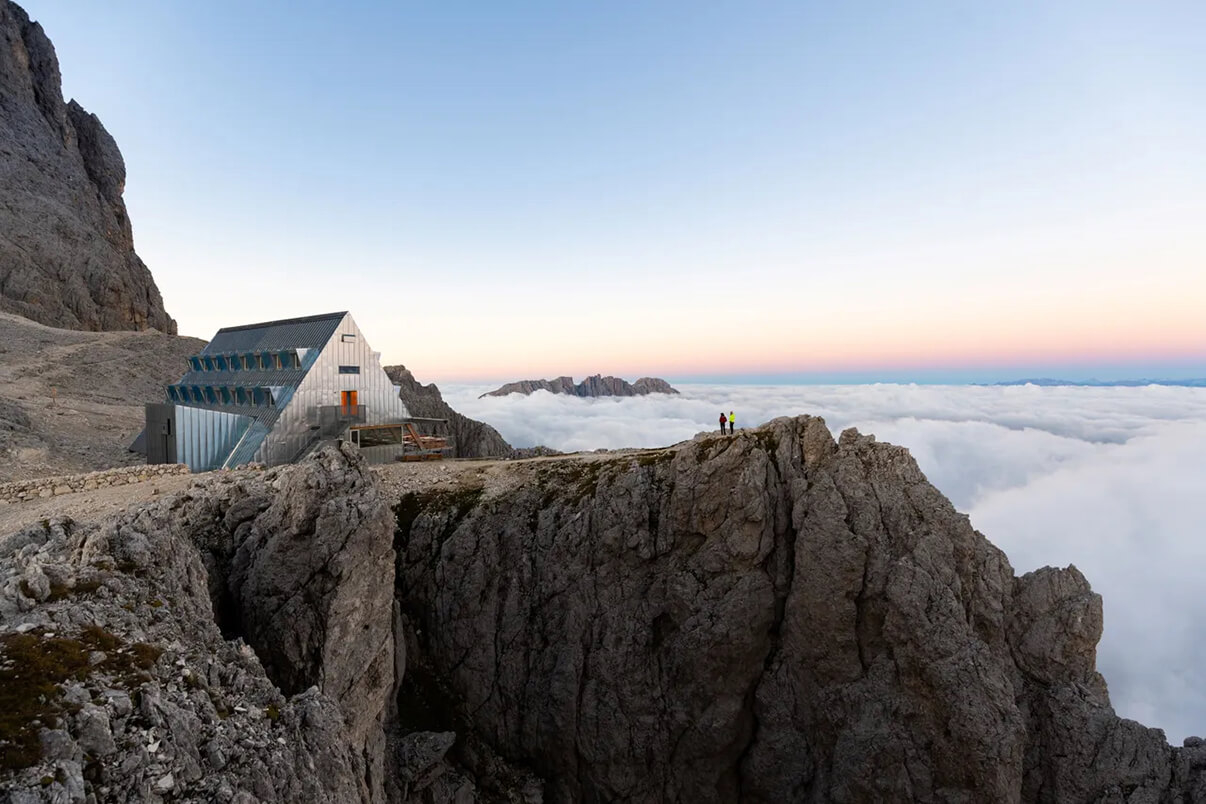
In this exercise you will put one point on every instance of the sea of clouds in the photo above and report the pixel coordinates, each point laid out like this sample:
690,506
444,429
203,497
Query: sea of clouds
1112,480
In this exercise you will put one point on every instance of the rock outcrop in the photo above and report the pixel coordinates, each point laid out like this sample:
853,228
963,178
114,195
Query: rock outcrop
66,245
471,438
771,617
595,385
774,616
117,680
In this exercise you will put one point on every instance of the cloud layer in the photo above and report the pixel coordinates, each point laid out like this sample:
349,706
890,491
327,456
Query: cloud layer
1109,479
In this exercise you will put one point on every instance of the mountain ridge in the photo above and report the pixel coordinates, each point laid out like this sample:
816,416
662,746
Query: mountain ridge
593,386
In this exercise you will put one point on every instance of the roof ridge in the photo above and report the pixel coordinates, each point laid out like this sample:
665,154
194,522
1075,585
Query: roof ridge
303,320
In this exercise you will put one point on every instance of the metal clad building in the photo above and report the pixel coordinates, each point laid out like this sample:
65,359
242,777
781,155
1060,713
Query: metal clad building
269,392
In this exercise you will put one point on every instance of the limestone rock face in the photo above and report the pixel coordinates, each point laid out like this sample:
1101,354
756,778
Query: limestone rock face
473,439
119,628
773,616
767,617
66,245
595,385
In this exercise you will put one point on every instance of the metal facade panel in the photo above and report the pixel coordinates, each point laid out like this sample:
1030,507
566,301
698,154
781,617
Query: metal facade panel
323,386
204,438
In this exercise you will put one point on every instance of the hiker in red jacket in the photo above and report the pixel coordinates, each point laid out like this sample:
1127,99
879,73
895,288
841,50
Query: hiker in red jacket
723,419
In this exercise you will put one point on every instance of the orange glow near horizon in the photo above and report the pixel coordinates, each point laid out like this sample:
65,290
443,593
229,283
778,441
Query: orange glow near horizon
971,339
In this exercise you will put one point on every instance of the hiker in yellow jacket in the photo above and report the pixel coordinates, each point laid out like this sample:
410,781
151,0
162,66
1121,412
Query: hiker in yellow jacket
732,423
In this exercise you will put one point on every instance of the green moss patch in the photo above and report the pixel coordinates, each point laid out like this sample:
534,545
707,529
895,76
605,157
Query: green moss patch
33,666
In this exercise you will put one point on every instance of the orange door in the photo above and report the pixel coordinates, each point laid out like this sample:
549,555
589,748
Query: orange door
348,402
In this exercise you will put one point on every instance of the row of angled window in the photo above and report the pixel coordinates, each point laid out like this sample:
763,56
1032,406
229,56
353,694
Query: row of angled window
251,361
221,395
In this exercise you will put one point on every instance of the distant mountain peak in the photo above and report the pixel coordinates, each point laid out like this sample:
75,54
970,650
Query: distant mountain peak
594,385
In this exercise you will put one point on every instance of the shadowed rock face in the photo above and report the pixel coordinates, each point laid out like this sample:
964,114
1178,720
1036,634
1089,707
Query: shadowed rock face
66,245
769,617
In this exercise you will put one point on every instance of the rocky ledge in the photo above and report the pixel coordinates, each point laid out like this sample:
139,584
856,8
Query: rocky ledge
595,385
771,616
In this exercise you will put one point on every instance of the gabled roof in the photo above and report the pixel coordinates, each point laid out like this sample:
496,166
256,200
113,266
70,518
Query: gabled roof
310,332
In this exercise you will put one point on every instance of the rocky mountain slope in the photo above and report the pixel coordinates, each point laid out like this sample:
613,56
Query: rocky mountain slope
73,401
66,245
473,439
595,385
772,616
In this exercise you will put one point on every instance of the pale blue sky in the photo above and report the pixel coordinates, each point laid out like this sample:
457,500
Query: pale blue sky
499,190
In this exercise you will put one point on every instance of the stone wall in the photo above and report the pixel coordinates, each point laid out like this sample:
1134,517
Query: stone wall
42,487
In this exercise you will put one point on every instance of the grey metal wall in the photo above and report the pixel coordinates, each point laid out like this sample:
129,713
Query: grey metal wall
204,438
322,386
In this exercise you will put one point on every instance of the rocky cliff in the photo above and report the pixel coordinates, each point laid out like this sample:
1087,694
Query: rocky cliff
771,616
473,439
66,245
595,385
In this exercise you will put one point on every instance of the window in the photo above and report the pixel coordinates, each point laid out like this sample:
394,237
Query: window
276,361
265,361
234,363
197,397
195,363
220,363
240,396
349,369
224,393
379,436
172,395
295,360
248,362
209,364
257,396
347,338
210,396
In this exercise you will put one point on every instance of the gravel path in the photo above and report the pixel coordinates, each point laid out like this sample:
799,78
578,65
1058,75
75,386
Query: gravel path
396,479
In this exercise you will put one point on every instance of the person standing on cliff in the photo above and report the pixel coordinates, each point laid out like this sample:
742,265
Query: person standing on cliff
732,423
723,419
